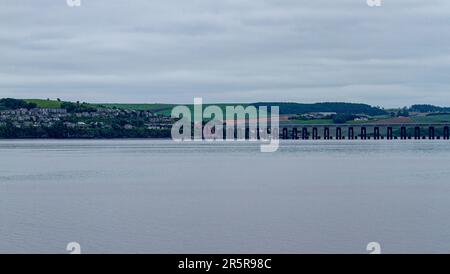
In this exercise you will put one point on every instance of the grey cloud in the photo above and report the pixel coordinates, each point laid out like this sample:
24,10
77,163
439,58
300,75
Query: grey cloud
226,50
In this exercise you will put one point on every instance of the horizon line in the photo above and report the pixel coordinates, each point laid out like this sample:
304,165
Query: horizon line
223,103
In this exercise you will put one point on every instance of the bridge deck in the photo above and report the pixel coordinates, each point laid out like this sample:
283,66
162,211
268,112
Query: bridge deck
365,125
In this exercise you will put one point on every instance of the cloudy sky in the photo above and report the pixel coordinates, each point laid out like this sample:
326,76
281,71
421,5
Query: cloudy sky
227,51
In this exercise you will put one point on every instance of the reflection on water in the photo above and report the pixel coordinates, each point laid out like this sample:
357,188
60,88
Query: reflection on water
155,196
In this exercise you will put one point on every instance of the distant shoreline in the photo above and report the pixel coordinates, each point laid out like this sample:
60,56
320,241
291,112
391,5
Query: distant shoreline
60,120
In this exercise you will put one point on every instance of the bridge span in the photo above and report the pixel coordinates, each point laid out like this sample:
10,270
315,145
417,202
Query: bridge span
416,131
409,131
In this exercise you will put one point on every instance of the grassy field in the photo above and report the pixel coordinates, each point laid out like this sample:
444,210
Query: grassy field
308,122
444,118
157,108
45,103
164,109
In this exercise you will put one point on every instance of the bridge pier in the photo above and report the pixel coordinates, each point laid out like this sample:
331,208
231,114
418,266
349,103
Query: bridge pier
231,133
363,133
285,133
417,133
315,134
326,133
351,133
431,133
403,133
376,133
338,133
304,133
390,134
294,133
276,132
446,133
242,133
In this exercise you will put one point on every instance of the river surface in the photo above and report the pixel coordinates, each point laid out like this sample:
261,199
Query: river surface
157,196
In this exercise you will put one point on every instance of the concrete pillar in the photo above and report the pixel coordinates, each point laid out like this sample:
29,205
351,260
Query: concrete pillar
431,133
363,133
338,133
376,133
326,133
390,134
276,132
351,133
403,133
294,133
231,132
417,133
241,133
315,135
304,133
285,133
446,133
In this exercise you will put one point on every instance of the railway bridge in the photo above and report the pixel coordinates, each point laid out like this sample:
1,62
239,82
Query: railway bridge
415,131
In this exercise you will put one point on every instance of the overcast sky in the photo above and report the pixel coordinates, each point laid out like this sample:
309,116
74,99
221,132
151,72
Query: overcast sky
227,51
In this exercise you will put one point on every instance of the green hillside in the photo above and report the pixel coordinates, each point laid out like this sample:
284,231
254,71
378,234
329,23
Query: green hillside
11,103
164,109
435,118
285,108
41,103
340,108
156,108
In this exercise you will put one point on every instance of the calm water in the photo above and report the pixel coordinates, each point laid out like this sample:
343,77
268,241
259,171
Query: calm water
160,197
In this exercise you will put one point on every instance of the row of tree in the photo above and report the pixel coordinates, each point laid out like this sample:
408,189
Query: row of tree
339,108
428,108
59,131
77,107
10,103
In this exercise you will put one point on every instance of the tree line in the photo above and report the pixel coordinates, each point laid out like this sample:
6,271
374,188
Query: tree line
10,103
60,131
339,108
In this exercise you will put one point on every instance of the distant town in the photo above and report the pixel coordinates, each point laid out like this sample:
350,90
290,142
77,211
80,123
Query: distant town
21,119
